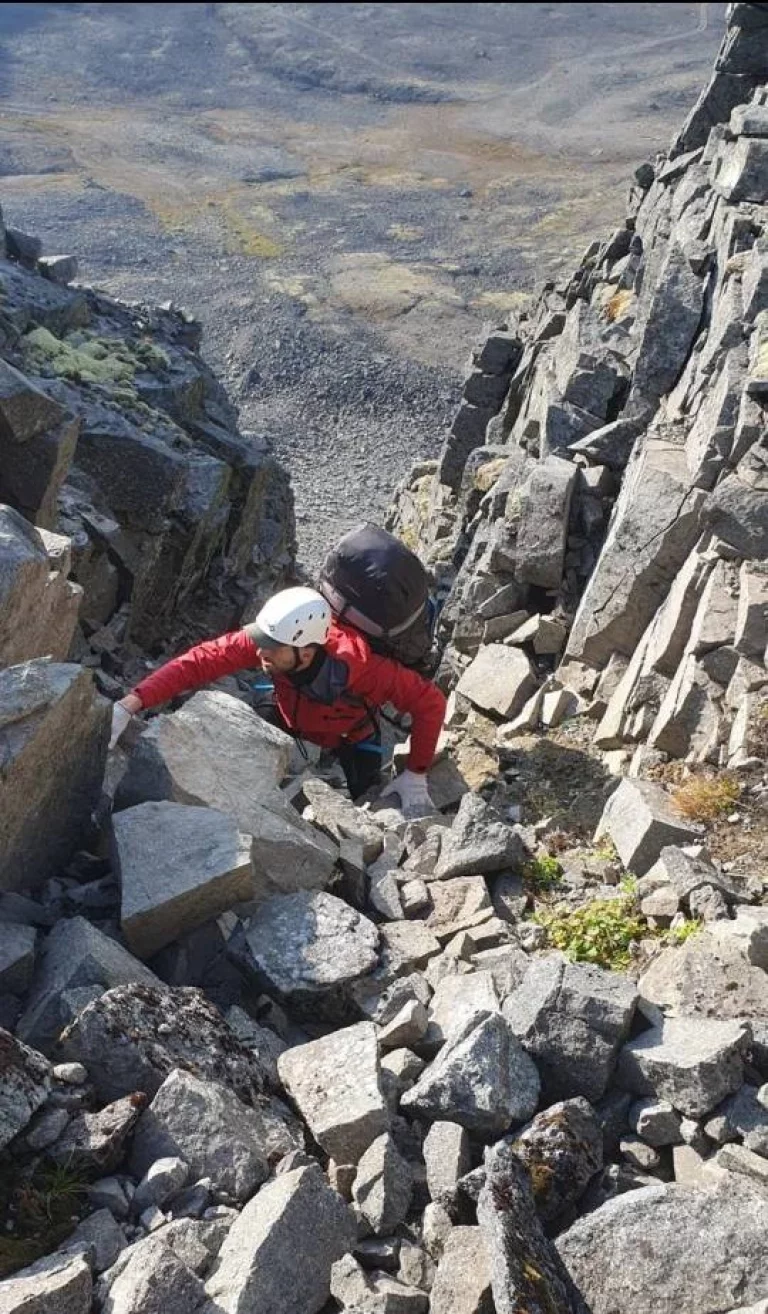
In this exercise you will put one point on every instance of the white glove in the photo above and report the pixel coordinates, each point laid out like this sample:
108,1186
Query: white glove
121,718
413,793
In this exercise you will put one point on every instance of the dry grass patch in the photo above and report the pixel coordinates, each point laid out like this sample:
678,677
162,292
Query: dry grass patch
705,798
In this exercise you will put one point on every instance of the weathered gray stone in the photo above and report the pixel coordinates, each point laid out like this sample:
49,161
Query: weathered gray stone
500,679
482,1079
307,944
261,1266
38,606
59,1284
653,529
178,868
751,635
25,410
456,999
562,1149
155,1280
399,1070
743,1162
544,507
610,445
24,1085
194,1243
216,752
110,1193
526,1270
103,1236
17,957
691,1062
160,1183
640,820
708,976
211,1129
383,1186
53,738
46,1128
656,1121
672,320
478,842
463,1279
59,268
335,1083
744,1115
447,1158
572,1018
458,904
410,944
688,718
741,171
642,1253
94,1143
133,1036
340,819
710,439
361,1292
737,512
407,1027
262,1041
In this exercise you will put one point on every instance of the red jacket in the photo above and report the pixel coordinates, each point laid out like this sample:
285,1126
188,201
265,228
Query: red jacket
334,707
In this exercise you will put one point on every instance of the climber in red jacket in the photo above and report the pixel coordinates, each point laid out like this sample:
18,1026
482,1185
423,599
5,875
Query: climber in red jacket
328,687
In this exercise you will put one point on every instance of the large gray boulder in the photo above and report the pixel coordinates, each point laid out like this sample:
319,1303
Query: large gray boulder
178,868
75,955
641,821
54,729
38,604
335,1082
544,508
691,1062
708,976
59,1284
154,1279
133,1036
280,1251
499,680
572,1018
206,1124
217,753
24,1085
481,1079
478,842
643,1254
654,527
308,944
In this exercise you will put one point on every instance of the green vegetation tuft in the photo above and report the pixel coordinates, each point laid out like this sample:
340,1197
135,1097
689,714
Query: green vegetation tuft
542,874
602,932
83,357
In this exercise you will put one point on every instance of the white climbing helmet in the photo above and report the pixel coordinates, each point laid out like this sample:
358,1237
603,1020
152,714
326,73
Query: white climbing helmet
295,617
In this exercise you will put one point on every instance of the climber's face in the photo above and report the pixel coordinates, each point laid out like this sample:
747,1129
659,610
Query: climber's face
284,660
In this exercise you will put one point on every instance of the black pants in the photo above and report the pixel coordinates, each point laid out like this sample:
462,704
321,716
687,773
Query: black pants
361,763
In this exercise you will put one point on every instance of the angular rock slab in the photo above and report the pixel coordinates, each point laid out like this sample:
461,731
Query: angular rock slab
280,1251
217,753
641,821
59,1284
24,1085
463,1279
643,1254
178,868
383,1186
155,1280
94,1143
133,1036
205,1124
691,1062
478,842
499,680
708,976
54,730
562,1150
481,1079
335,1083
38,605
306,944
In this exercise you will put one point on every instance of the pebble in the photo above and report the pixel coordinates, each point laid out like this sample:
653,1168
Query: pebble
72,1074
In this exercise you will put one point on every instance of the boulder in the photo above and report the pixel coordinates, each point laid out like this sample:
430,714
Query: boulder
362,1292
340,819
670,326
94,1143
38,604
59,1284
463,1280
544,508
751,635
573,1019
691,1062
205,1124
164,1179
526,1270
217,753
455,999
24,1085
707,976
482,1079
641,821
17,957
642,1253
133,1036
740,173
32,473
25,410
656,1122
308,944
335,1083
103,1236
478,842
155,1280
655,525
383,1186
499,680
260,1265
75,955
562,1150
54,730
178,868
447,1158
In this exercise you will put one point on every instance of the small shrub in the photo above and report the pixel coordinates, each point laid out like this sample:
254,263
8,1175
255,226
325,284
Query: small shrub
541,874
602,932
679,934
704,798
